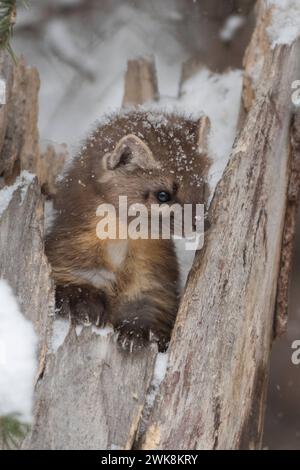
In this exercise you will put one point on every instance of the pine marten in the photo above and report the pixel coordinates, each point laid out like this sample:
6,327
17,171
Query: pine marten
150,157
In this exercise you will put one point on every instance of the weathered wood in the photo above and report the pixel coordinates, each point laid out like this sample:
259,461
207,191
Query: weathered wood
19,146
281,310
50,166
254,57
213,394
22,260
140,82
91,395
253,74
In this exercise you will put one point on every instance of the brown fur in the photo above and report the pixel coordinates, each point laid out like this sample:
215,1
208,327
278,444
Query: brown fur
141,296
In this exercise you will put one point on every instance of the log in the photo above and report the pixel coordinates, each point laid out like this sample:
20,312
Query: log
50,165
140,82
91,395
19,137
22,260
253,75
213,394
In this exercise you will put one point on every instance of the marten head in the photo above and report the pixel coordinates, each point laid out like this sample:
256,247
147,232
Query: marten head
150,157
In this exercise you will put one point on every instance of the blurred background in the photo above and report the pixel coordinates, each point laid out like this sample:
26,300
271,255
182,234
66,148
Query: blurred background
81,48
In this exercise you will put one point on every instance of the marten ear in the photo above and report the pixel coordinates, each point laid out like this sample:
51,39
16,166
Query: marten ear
130,153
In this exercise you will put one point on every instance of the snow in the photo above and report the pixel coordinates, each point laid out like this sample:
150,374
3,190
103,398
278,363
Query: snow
56,34
7,192
217,96
18,362
185,260
231,26
285,25
214,95
60,331
104,332
160,369
79,329
86,89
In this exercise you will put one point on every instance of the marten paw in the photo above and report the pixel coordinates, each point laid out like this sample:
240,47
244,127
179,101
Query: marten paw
133,337
87,306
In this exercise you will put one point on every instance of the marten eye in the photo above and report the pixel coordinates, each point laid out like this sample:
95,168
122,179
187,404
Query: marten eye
163,196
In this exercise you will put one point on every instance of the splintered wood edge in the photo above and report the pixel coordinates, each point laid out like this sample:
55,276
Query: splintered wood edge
19,139
140,82
253,71
288,239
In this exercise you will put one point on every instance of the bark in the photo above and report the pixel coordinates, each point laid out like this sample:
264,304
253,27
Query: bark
253,75
19,145
91,395
213,394
50,165
22,260
281,311
19,137
140,82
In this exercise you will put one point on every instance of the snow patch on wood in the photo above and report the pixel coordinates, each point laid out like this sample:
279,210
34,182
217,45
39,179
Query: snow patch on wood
18,361
7,192
60,331
285,26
